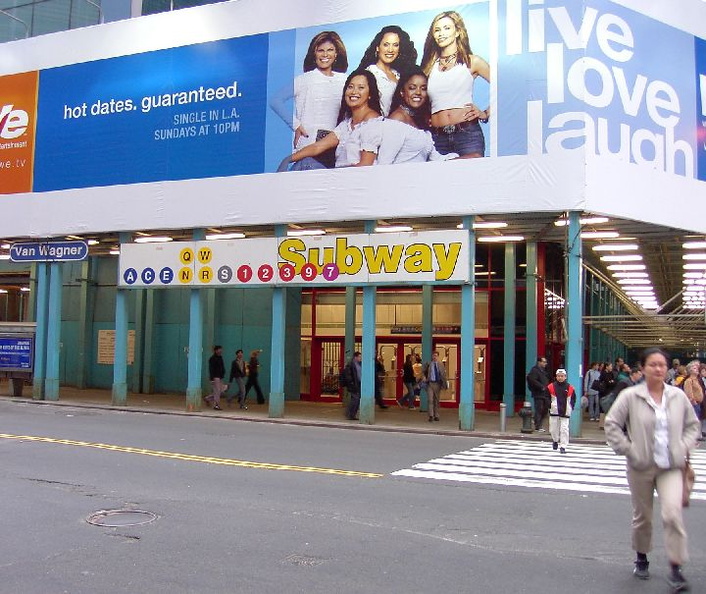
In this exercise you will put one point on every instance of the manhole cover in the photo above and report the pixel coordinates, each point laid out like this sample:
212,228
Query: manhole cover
121,517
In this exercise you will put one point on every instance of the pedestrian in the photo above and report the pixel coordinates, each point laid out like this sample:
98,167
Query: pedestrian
435,376
253,372
654,426
537,382
237,373
379,381
592,376
351,376
409,383
216,372
563,402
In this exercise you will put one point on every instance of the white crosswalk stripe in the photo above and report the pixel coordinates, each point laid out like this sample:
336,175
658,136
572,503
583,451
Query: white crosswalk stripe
584,468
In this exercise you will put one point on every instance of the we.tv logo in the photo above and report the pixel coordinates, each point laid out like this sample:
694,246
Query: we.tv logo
18,108
13,122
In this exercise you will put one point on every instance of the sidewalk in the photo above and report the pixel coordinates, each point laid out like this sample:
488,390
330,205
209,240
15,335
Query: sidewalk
392,419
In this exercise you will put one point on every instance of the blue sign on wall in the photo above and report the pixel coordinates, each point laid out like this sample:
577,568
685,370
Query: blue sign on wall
16,353
49,251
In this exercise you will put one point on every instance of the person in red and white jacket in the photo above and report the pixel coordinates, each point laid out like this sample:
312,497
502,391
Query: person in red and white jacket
563,400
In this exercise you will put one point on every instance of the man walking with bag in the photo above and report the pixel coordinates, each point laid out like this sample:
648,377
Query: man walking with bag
537,382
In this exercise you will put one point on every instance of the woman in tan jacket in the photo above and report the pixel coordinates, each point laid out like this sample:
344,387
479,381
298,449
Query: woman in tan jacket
694,388
654,426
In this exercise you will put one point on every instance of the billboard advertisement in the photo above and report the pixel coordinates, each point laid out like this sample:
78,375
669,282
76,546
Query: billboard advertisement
537,90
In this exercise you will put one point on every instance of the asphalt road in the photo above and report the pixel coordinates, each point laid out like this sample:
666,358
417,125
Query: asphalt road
270,508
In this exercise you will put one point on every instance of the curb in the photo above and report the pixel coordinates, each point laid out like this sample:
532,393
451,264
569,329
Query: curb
311,422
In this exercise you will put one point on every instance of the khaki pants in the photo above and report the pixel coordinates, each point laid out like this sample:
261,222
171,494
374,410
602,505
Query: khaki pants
669,489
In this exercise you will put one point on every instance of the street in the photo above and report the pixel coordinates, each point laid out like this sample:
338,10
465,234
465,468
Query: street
255,507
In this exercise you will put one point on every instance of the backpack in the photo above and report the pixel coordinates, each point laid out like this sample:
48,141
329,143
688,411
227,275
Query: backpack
344,377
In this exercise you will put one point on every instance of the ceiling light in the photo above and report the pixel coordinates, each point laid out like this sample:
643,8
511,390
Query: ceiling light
630,275
305,232
695,266
93,242
694,245
216,236
634,281
393,229
586,221
114,252
700,256
627,267
489,225
6,246
600,235
501,238
24,289
486,273
153,239
615,247
4,256
624,258
74,237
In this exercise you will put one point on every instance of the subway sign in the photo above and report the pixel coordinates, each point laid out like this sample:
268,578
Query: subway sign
379,258
49,251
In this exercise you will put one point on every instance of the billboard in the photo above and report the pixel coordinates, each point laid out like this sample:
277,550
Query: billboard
571,90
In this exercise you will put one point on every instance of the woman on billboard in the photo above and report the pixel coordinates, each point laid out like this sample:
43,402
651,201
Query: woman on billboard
359,105
452,69
390,53
317,93
404,136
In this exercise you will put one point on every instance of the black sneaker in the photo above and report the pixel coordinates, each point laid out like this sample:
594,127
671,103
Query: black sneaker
555,445
677,582
562,451
642,570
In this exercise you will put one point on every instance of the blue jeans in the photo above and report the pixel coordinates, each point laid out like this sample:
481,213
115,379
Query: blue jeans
409,396
466,139
594,406
306,164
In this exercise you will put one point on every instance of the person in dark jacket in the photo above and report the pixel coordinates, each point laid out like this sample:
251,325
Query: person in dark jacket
216,372
410,383
537,381
353,372
237,373
253,372
563,402
631,380
379,381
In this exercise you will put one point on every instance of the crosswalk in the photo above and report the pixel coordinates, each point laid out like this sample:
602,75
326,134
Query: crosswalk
584,468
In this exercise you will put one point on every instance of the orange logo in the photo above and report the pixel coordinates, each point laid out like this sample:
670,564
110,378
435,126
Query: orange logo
18,109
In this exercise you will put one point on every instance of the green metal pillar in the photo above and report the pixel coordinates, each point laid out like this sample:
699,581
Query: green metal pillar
41,318
279,329
574,314
368,350
510,299
51,383
194,366
467,408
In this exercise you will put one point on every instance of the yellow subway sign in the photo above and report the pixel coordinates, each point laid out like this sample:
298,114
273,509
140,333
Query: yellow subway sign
376,258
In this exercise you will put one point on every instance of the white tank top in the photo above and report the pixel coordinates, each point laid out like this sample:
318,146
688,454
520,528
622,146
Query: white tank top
451,88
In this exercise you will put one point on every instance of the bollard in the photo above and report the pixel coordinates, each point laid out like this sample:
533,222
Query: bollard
503,418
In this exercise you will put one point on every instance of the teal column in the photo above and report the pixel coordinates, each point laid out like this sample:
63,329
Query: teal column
194,360
51,383
41,319
574,314
148,343
120,357
279,329
510,299
368,350
139,325
467,407
208,299
427,337
84,322
349,340
531,313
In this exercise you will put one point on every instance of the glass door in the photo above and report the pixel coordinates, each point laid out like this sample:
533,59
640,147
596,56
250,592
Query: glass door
449,354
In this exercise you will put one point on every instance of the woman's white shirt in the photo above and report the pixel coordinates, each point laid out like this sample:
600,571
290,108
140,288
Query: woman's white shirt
396,142
450,89
385,86
317,100
349,141
661,455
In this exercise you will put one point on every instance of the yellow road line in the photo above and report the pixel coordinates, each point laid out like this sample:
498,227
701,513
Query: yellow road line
191,457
